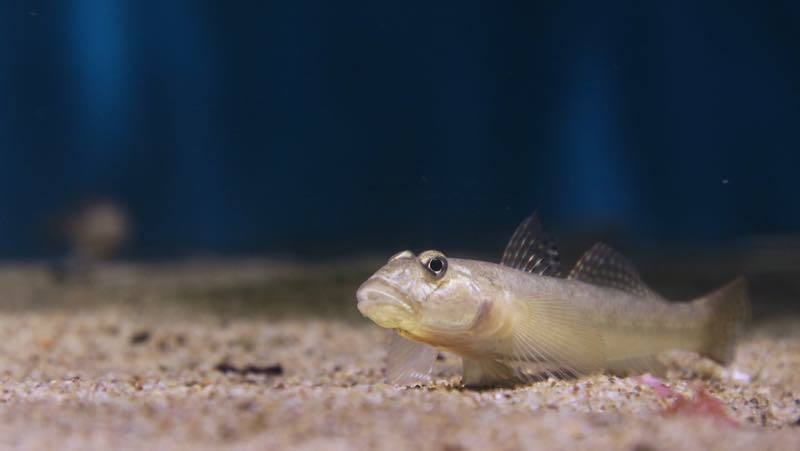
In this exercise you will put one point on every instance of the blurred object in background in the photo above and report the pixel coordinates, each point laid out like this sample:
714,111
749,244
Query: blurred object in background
313,131
95,231
320,129
98,230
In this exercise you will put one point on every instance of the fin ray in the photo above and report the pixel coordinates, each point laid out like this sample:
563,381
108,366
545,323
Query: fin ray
729,313
531,249
603,266
637,365
553,333
409,362
487,373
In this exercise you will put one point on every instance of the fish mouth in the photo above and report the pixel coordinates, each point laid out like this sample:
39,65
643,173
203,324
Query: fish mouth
382,304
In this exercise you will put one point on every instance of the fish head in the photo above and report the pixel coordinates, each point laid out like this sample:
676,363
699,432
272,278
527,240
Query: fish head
428,298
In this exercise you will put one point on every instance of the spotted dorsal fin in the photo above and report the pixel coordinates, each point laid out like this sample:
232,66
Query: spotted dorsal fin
532,250
603,266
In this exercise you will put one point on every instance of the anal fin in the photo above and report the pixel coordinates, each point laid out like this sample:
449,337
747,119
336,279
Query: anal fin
637,365
487,373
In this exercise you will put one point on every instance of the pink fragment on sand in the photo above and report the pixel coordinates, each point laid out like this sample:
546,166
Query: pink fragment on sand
656,384
702,404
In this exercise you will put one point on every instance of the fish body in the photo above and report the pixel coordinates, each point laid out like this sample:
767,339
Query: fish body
518,320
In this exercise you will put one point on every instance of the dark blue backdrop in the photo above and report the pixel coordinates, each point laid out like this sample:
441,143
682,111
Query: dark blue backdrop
311,126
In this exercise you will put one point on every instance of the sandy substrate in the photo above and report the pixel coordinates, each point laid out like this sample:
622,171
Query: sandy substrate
132,359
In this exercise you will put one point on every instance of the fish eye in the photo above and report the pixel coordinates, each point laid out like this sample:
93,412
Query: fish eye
437,265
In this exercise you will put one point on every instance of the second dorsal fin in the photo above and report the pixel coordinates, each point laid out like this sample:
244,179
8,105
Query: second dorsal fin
532,250
601,265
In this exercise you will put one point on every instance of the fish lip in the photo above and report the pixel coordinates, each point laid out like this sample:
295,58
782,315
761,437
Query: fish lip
379,302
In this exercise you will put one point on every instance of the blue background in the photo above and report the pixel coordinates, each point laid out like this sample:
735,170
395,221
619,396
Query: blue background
311,127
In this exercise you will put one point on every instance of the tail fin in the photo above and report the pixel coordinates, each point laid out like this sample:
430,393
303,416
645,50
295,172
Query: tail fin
728,314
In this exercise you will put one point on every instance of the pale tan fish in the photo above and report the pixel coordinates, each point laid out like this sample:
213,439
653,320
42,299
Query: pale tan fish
519,320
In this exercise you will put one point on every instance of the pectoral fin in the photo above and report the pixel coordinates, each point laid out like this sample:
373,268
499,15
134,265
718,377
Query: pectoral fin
409,362
557,338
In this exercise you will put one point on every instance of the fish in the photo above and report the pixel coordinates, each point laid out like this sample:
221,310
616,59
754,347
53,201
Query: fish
524,320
